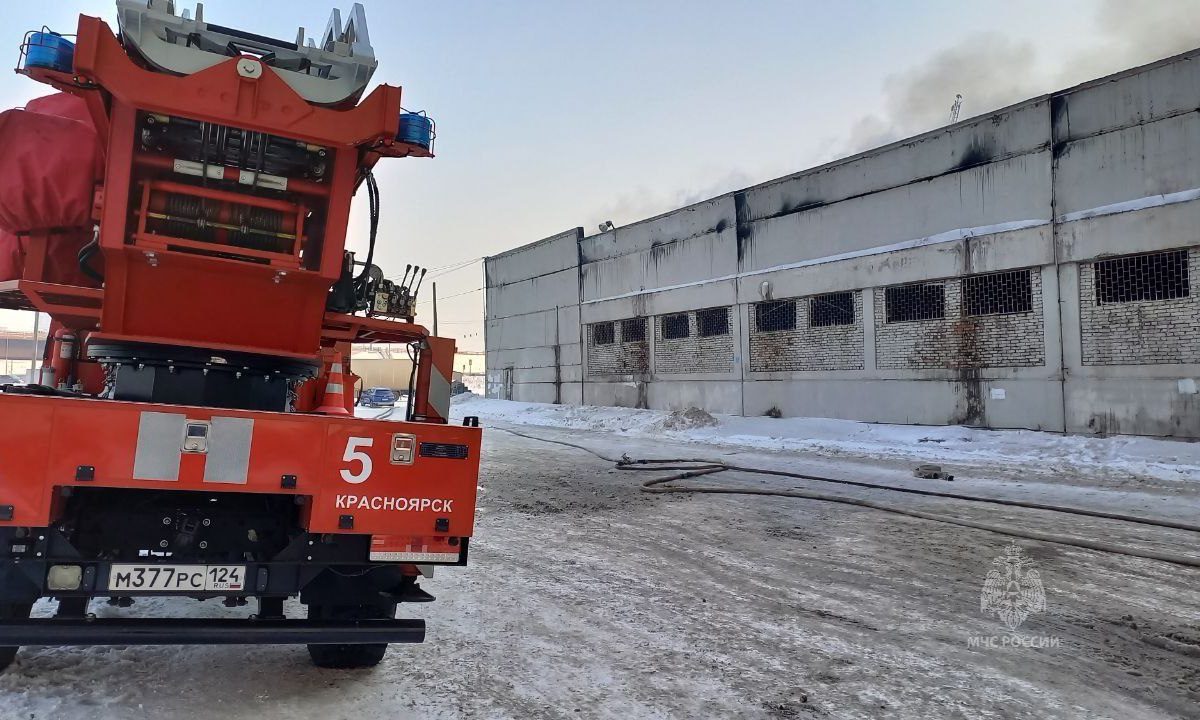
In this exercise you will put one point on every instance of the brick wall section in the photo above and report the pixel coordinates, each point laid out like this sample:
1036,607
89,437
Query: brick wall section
693,354
957,341
832,347
1007,340
619,357
1147,332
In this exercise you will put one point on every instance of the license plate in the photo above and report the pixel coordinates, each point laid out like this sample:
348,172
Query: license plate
191,578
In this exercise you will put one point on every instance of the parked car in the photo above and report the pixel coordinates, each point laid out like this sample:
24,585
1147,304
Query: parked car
377,397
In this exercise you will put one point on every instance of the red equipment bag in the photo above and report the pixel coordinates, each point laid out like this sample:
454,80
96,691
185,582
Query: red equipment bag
50,161
12,261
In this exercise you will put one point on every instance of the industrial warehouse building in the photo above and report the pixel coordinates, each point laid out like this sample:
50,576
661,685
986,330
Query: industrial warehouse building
1038,267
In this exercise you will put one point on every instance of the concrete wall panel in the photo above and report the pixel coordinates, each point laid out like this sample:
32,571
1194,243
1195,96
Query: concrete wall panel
712,254
718,396
616,394
1107,168
558,252
1014,190
1136,96
708,217
534,392
1142,406
1157,228
1152,159
1022,129
534,329
544,292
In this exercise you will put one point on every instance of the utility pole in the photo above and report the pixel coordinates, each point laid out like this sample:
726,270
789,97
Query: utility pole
435,308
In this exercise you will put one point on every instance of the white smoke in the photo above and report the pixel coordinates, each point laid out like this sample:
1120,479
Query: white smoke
641,202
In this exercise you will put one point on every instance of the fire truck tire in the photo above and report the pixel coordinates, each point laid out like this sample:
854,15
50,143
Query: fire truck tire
349,656
11,611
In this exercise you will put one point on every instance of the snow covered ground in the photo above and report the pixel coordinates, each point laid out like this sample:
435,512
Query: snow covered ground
586,598
1137,458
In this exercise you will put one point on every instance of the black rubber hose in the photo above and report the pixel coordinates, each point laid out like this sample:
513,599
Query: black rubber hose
414,356
916,491
698,467
373,201
86,253
718,466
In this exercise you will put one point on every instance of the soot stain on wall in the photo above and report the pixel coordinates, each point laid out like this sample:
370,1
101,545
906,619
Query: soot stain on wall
745,228
977,153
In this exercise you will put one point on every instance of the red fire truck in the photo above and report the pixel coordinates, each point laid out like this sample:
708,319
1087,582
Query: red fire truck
179,209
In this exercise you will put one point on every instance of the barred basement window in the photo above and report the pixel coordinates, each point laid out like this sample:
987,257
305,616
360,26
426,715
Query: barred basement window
775,316
675,327
1157,276
633,330
998,293
712,322
909,303
602,334
831,309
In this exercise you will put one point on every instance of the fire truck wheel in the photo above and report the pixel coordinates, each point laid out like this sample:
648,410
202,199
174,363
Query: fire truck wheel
349,656
11,611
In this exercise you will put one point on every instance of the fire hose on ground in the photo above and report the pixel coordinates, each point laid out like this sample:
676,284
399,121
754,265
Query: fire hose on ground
697,467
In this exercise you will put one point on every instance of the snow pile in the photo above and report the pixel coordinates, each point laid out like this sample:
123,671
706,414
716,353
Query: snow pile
689,419
465,397
1140,457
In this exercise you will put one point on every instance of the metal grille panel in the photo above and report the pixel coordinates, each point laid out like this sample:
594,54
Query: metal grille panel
912,303
831,309
1000,293
449,451
774,316
602,334
1156,276
633,330
712,322
675,327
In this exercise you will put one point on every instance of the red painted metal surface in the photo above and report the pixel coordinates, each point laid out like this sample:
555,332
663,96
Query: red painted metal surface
178,296
43,441
207,291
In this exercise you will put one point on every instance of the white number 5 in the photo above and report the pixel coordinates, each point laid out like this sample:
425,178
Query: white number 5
352,453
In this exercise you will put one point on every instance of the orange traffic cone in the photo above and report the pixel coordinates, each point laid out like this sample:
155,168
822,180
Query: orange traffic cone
334,400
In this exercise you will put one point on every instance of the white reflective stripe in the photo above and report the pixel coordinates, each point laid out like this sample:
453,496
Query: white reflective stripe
159,446
335,368
333,388
414,557
439,393
228,458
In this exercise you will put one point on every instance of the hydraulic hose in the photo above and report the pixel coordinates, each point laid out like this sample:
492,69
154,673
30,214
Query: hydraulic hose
86,253
414,357
691,468
373,209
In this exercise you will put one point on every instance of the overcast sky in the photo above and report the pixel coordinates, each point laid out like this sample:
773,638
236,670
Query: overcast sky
557,114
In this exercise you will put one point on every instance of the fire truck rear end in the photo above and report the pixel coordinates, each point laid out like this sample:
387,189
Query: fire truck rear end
180,209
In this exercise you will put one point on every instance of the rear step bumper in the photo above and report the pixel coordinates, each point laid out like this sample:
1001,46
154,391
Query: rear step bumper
199,631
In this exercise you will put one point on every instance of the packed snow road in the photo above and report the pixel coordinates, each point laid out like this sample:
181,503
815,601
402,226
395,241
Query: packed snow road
586,598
